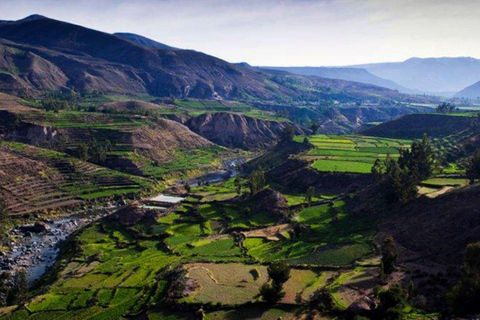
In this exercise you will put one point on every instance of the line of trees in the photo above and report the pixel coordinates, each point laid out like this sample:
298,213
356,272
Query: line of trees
95,151
446,108
399,178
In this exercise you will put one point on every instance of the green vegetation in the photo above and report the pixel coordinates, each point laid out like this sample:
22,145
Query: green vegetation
350,153
197,107
398,180
463,299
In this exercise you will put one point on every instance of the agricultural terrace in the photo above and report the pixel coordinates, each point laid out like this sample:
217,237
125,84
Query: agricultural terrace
109,270
198,107
350,153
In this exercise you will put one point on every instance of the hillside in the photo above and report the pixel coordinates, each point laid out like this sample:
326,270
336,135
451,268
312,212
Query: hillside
416,125
341,73
439,228
434,75
146,42
238,131
45,54
470,92
148,146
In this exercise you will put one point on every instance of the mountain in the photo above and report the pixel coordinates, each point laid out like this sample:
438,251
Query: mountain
349,74
237,130
144,41
438,228
42,54
470,92
414,126
431,75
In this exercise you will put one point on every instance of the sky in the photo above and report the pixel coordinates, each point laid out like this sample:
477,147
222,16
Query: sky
281,32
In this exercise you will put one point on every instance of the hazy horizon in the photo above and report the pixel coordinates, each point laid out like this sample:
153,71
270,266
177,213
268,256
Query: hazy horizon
281,33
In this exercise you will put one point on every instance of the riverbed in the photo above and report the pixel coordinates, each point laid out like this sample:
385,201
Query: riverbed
36,252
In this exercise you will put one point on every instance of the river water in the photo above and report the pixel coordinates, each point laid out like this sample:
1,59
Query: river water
36,252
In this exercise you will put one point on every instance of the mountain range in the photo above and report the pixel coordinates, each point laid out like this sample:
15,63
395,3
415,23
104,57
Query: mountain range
439,76
445,76
345,73
41,54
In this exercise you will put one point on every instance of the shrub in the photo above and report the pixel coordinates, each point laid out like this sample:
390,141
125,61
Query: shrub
271,293
255,273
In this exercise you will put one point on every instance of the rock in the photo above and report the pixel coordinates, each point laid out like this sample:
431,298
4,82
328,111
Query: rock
270,202
132,214
364,306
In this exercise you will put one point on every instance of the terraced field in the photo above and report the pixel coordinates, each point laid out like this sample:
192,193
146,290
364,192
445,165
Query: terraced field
351,153
39,180
112,271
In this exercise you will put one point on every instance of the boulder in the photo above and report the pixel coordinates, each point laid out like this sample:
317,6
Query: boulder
132,214
270,202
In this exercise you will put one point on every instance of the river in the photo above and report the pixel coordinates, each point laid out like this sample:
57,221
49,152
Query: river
36,252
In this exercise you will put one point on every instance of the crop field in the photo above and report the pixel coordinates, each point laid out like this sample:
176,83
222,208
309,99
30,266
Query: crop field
348,239
445,182
118,271
198,107
351,153
235,283
351,285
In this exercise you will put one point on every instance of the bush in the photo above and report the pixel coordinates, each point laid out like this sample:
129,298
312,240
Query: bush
322,300
279,272
465,295
271,293
255,273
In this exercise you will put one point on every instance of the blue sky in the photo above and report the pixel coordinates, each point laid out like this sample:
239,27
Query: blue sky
281,32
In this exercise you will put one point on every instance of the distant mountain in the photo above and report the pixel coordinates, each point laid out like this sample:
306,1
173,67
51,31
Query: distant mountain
144,41
430,75
470,92
349,74
42,54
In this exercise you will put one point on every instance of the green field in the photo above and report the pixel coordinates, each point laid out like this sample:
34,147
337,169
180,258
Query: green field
351,153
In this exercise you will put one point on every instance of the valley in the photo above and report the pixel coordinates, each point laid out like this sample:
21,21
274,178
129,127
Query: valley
139,180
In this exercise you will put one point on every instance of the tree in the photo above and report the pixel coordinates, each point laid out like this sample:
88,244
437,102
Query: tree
288,132
419,159
446,108
279,272
54,105
238,185
82,151
392,303
378,169
389,255
322,300
314,126
256,181
310,194
271,293
465,295
473,167
400,184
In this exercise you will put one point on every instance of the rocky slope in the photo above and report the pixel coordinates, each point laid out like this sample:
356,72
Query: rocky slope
138,39
45,54
343,73
237,130
416,125
438,228
470,92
